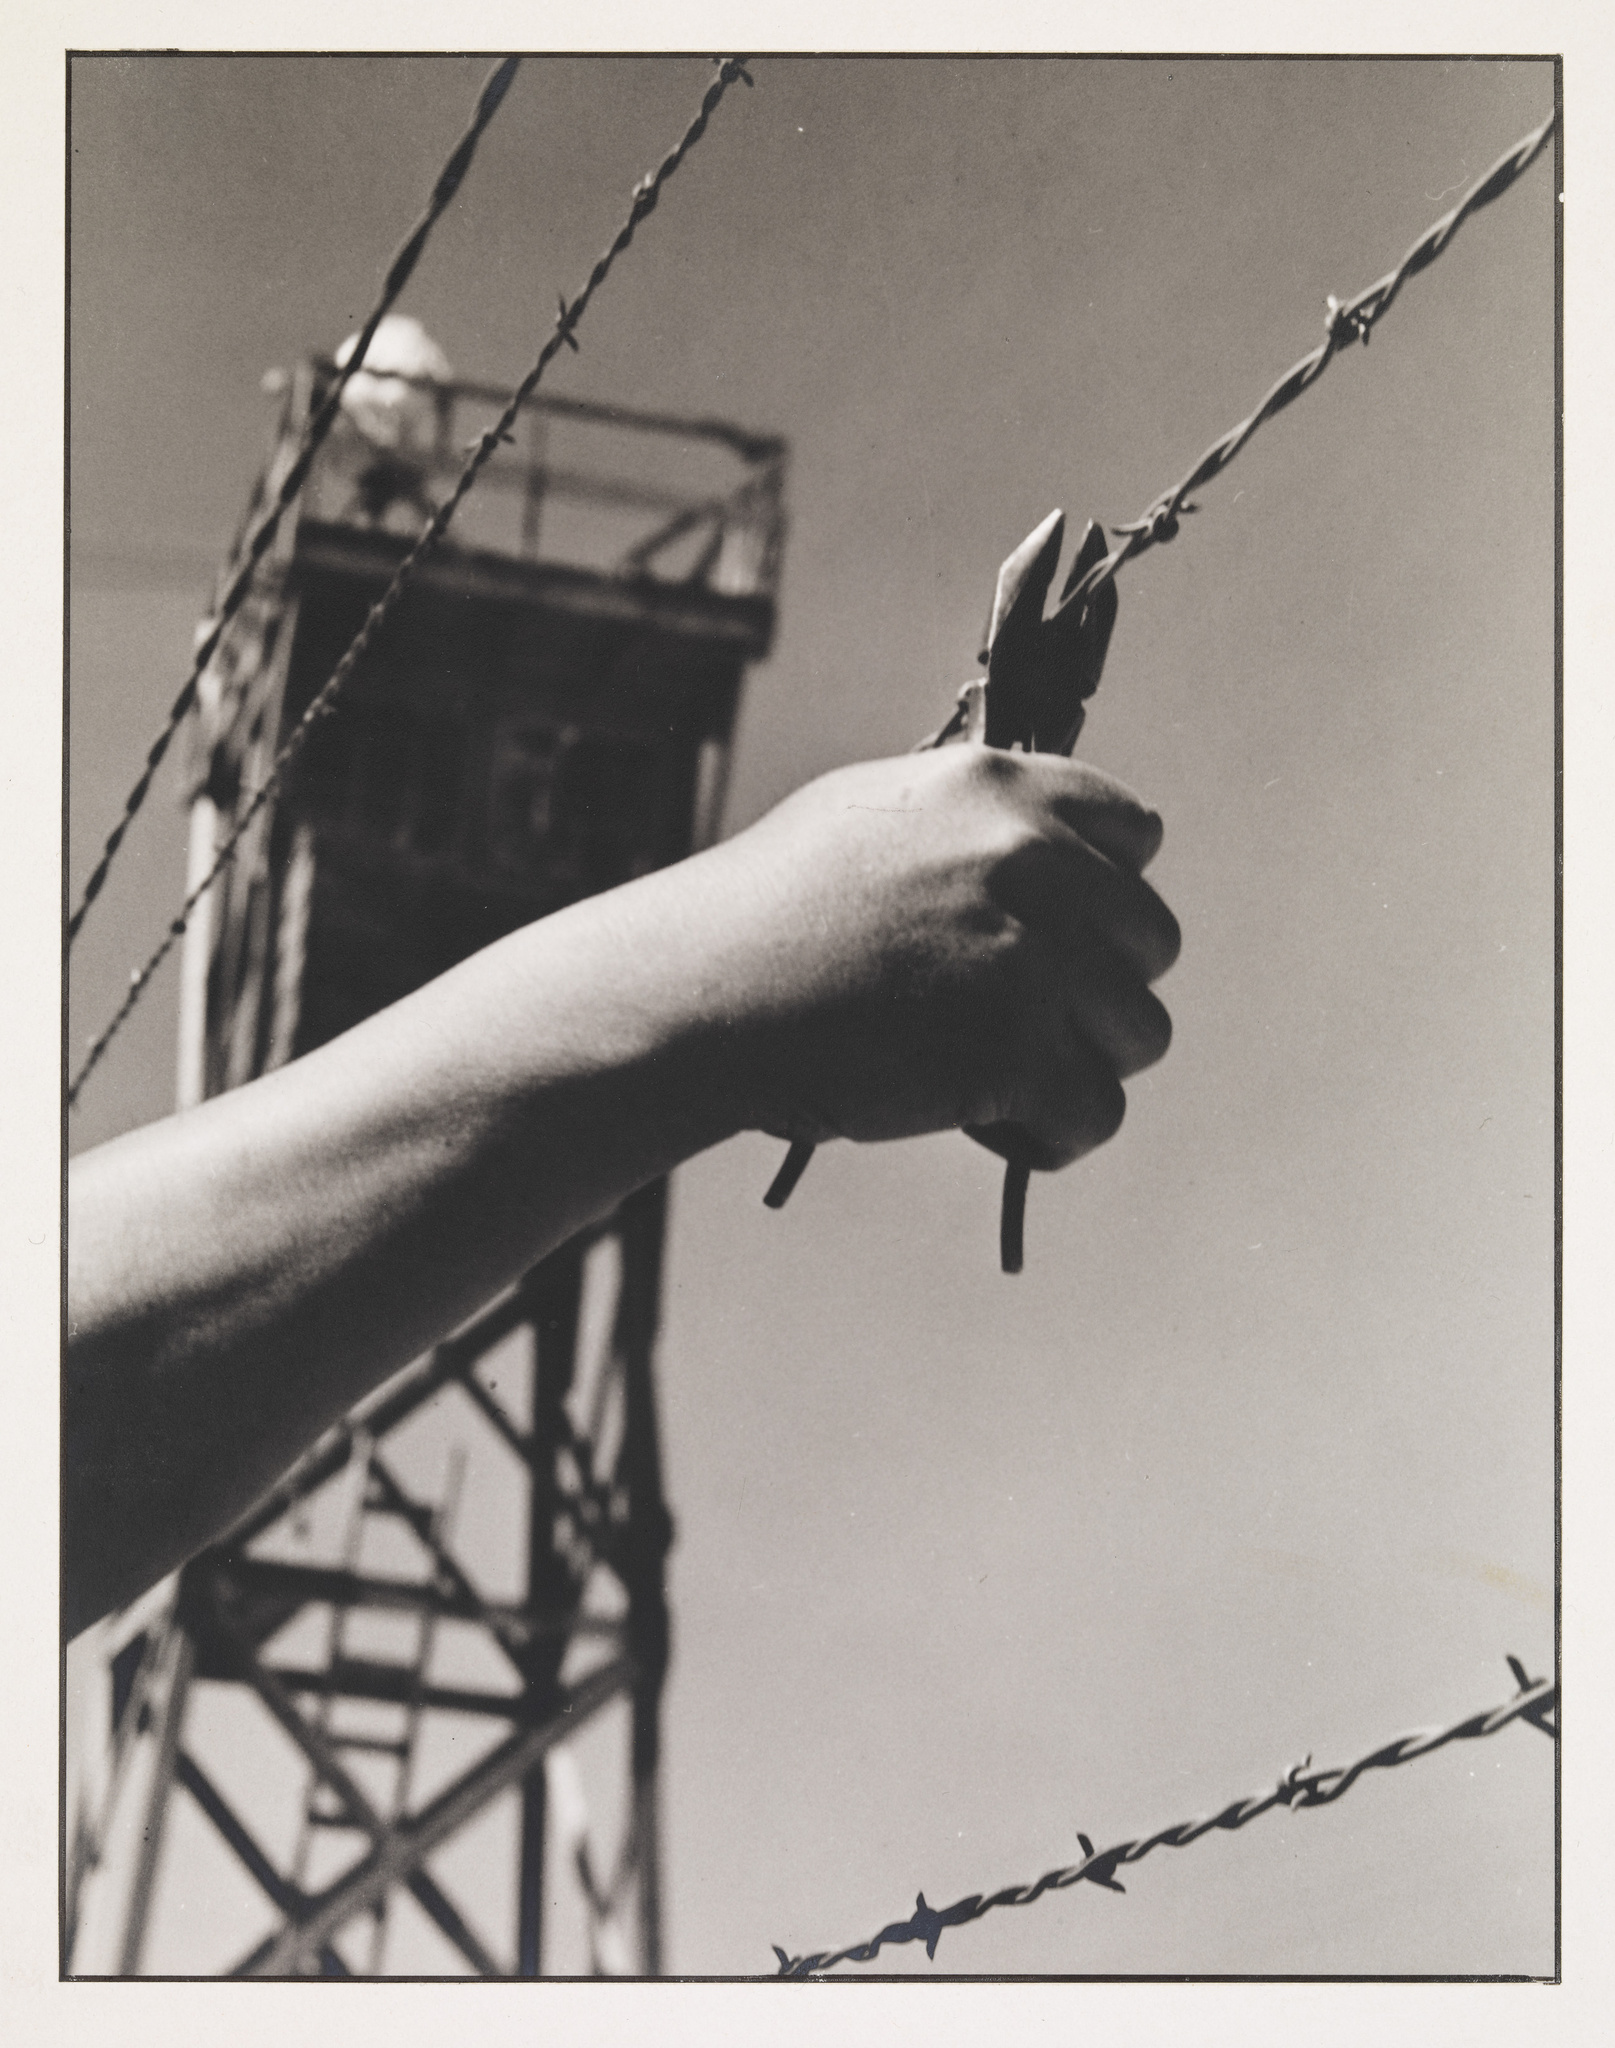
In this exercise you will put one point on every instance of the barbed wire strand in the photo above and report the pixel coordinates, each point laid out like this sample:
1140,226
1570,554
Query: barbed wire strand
1300,1787
645,196
1350,322
449,180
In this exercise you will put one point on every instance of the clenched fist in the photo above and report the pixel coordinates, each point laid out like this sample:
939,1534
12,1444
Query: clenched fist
960,937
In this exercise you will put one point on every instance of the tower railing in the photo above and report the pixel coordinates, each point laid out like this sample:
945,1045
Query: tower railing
670,497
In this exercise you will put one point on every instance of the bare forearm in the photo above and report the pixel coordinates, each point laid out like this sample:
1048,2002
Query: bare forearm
242,1274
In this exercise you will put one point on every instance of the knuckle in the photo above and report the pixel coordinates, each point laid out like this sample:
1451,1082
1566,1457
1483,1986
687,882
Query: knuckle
989,769
1024,871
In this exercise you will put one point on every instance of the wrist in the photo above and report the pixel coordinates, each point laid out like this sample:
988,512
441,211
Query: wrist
614,1026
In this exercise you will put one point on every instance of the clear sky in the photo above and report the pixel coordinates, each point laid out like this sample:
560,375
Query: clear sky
1257,1456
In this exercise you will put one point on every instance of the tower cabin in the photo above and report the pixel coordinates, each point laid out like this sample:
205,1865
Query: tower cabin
547,713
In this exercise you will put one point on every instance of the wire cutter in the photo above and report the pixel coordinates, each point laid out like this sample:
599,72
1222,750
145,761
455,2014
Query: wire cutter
1040,674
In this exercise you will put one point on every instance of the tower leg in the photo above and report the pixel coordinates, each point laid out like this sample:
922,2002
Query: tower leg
179,1656
553,1293
644,1222
647,1828
530,1896
197,958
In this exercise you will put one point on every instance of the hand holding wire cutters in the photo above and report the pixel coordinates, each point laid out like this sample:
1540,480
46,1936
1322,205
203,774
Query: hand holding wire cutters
1040,672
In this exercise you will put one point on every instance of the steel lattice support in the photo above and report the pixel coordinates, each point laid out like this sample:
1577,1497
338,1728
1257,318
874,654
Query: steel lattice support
394,1662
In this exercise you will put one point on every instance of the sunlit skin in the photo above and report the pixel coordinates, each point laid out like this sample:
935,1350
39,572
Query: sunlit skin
955,938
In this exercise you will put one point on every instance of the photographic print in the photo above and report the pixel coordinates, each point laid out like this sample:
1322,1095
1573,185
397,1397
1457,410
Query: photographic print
523,519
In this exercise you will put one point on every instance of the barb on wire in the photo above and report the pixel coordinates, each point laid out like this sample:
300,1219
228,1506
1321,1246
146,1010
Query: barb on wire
1346,323
449,180
1302,1786
645,196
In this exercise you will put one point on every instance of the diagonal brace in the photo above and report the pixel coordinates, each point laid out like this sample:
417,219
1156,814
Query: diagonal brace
422,1524
397,1856
322,1755
284,1894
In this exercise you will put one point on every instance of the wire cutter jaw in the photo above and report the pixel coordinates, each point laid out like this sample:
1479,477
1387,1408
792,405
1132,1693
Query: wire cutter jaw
1041,672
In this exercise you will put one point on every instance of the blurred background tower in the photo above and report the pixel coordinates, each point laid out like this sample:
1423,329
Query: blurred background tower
440,1645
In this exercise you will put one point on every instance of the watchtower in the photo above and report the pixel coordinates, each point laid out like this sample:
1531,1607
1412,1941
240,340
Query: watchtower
436,1652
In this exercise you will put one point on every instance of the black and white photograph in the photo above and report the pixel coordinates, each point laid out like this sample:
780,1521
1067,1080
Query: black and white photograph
812,1016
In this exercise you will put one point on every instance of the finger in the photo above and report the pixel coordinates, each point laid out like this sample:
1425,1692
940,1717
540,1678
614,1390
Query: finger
1077,1106
1063,887
1109,1005
1100,999
1101,810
